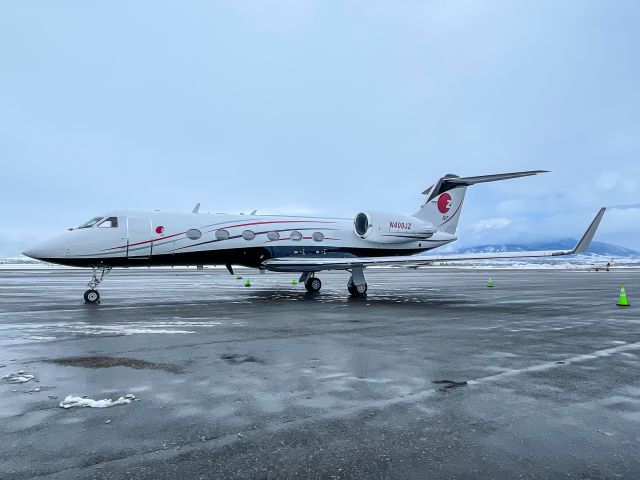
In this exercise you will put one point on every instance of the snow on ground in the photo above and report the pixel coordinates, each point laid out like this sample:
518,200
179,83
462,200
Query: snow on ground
50,331
71,402
19,377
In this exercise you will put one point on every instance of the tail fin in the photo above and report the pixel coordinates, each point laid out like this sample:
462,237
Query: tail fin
444,199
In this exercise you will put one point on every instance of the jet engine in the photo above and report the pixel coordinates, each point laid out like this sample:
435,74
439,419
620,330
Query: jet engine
383,227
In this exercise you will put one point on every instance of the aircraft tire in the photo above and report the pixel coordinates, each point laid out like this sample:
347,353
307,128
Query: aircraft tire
91,296
356,291
313,285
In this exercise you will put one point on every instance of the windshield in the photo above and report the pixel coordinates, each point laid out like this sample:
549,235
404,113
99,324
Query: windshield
111,222
91,222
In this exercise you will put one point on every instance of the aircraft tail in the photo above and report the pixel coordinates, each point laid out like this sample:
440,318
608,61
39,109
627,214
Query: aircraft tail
445,198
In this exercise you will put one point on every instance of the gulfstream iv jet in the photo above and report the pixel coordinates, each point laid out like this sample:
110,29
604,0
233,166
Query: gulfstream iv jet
280,243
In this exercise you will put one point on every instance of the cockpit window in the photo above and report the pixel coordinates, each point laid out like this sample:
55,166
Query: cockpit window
91,222
111,222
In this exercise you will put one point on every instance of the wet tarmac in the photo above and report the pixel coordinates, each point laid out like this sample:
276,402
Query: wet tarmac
432,375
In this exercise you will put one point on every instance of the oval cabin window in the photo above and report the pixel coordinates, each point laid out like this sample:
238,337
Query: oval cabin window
273,236
248,235
222,235
194,234
318,236
296,236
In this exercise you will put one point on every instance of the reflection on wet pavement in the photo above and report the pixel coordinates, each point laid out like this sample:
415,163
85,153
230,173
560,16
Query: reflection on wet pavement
430,372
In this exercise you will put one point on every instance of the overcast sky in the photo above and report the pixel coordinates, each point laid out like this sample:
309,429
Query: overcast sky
321,107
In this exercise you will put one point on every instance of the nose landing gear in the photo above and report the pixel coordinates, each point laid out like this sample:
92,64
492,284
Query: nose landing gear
91,296
98,275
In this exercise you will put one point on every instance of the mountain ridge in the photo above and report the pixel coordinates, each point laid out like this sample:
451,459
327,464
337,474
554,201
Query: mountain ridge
596,248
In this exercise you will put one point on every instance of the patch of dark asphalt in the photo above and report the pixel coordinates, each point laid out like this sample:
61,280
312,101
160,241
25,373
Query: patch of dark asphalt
106,362
448,385
236,359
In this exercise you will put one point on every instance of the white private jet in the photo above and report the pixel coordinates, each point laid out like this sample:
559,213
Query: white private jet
277,242
601,266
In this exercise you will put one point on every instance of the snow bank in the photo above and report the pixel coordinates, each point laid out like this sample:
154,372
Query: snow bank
70,401
19,377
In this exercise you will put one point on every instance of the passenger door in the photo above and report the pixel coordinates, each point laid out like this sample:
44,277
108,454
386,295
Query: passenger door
139,237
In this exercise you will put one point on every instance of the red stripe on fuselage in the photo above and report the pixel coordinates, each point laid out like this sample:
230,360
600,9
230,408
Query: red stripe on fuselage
265,223
146,241
221,228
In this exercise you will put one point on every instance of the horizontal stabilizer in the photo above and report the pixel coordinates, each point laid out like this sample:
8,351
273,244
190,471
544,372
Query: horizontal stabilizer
449,182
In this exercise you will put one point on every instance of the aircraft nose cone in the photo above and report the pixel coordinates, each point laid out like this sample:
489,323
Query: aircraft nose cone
44,249
33,252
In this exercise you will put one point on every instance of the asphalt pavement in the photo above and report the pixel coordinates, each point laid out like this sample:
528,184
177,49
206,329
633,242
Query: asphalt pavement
431,375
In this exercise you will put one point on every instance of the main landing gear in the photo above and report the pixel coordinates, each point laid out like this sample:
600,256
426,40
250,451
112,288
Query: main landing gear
98,275
357,285
311,282
356,290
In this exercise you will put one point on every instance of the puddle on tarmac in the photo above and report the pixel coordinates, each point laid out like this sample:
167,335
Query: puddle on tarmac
106,362
236,359
448,385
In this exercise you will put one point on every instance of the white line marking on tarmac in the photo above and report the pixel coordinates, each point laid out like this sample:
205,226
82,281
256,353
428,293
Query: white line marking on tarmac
351,410
567,361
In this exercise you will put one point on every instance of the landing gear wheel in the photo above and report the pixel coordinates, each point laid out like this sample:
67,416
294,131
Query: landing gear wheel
313,285
356,290
91,296
98,275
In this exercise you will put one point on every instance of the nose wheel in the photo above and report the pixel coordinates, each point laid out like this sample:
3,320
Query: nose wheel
91,296
99,273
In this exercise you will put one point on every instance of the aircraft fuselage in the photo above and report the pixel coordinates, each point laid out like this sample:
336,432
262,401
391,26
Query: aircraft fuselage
142,238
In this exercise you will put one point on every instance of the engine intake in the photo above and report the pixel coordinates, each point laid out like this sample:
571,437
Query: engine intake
361,224
383,227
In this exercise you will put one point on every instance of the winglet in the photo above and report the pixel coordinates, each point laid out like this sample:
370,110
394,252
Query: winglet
196,209
585,241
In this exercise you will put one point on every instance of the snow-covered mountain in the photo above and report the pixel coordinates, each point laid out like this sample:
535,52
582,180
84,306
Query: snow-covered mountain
596,248
599,252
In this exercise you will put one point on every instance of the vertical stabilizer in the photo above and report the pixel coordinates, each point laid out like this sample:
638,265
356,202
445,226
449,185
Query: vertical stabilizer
445,198
443,206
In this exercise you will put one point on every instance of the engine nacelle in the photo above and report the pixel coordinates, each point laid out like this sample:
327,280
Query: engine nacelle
383,227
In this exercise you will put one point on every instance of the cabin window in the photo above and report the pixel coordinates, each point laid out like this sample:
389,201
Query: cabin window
296,236
194,234
318,236
248,235
222,235
91,222
111,222
273,236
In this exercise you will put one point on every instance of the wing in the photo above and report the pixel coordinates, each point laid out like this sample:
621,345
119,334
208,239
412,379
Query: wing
312,264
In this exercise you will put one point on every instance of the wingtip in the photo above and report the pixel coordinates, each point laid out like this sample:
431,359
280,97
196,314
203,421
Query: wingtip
585,241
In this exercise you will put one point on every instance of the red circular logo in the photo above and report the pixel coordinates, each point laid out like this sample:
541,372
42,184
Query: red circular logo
444,203
159,229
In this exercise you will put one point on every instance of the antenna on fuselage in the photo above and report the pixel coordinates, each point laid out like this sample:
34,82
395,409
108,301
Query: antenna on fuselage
196,209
